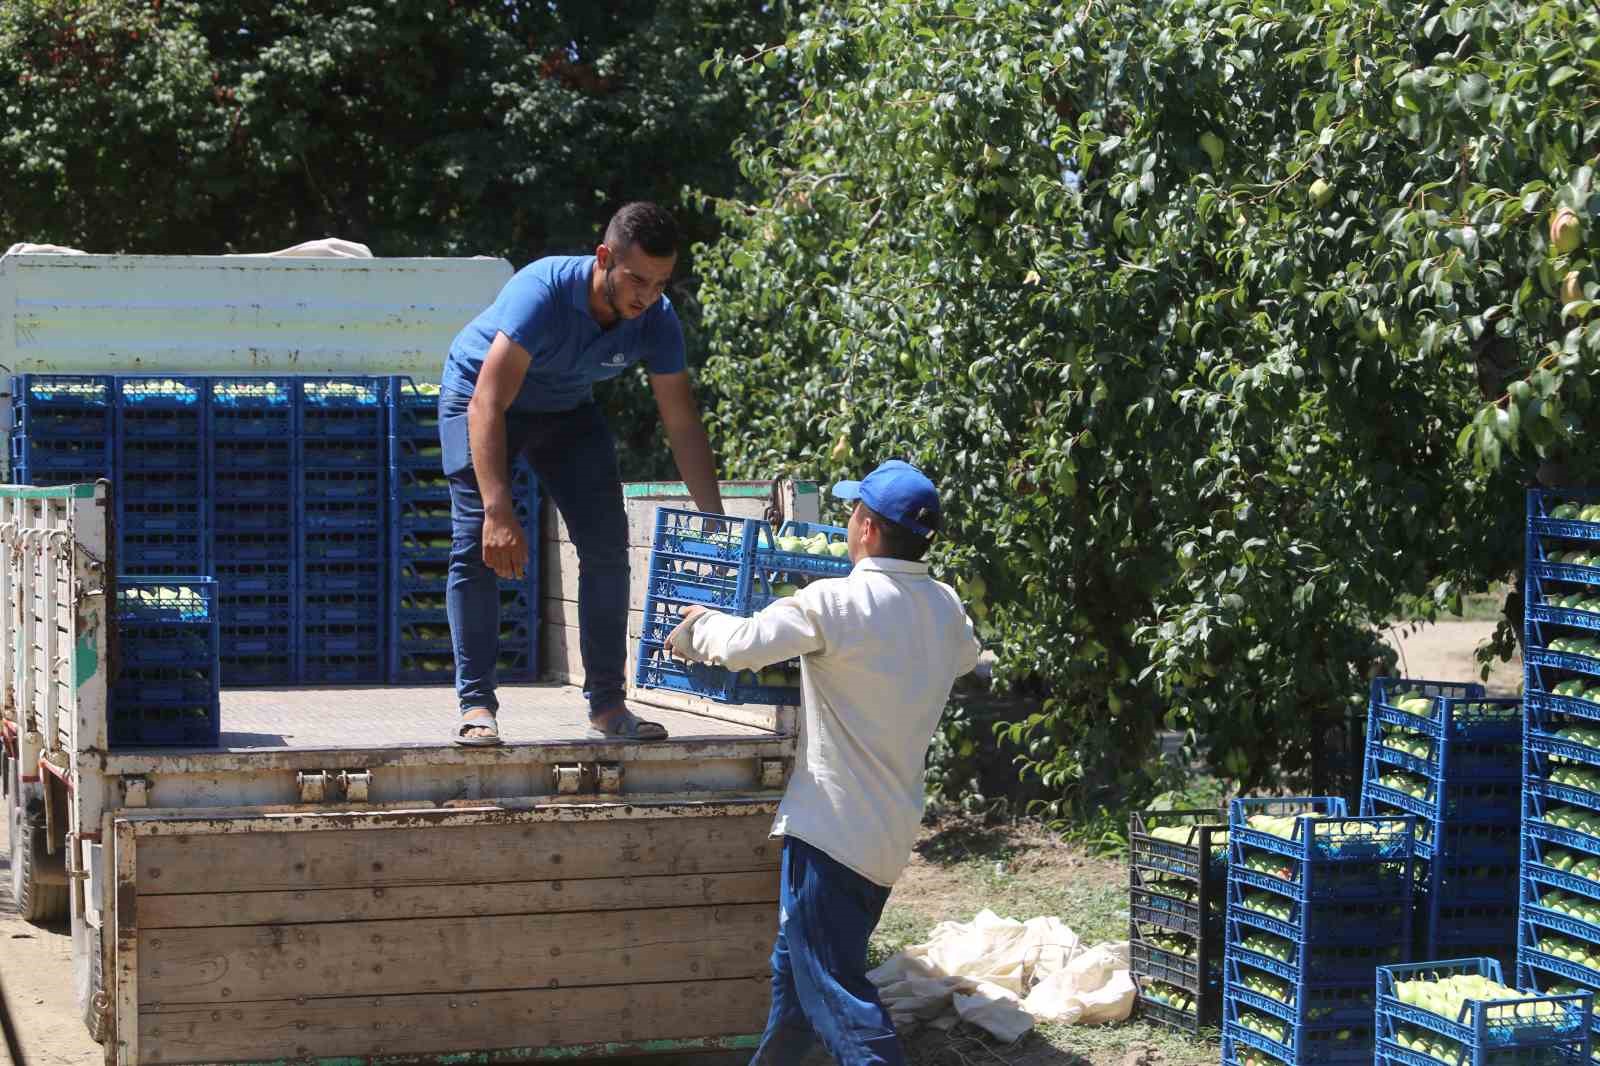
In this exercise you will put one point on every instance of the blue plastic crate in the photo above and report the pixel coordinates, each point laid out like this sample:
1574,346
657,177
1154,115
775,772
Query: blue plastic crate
422,668
1323,830
409,485
417,453
176,453
228,546
273,641
341,516
1482,1025
259,609
1306,961
245,670
363,639
1459,710
1302,1045
351,408
1299,880
341,669
1324,922
413,408
231,457
656,670
424,543
61,391
167,549
21,475
276,487
161,392
348,484
167,639
50,455
252,516
340,454
421,573
1480,801
160,516
1201,856
1317,1001
359,608
48,423
135,724
1445,760
425,514
155,408
244,578
336,576
252,407
333,545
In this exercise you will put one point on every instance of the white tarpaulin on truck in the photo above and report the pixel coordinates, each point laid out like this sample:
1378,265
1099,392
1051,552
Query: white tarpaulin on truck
325,248
1003,975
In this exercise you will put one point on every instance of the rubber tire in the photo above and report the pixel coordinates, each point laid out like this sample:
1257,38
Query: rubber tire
35,902
91,988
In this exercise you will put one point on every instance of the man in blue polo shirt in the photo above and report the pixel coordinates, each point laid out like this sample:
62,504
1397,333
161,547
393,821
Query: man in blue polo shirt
519,379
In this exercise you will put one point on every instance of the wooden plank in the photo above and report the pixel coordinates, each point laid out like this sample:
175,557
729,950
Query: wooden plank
124,1050
424,1024
454,955
474,854
555,611
447,901
558,572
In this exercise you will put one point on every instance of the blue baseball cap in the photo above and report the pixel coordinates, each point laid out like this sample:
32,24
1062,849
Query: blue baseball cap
898,491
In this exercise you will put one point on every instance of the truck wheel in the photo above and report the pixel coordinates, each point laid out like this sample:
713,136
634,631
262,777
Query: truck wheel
92,996
36,901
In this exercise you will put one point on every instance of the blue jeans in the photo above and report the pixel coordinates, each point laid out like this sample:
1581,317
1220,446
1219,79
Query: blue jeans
827,912
575,458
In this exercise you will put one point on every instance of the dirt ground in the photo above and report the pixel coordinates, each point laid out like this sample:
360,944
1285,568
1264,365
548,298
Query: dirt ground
1444,652
36,980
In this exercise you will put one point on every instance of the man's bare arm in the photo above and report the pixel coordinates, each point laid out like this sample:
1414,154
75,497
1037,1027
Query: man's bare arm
691,449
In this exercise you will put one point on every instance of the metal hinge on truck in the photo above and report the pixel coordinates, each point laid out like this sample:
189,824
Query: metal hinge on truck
324,786
603,778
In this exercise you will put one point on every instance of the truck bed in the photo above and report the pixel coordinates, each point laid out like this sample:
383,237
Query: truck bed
341,727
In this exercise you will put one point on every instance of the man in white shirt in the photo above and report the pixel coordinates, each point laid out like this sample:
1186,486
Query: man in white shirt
879,651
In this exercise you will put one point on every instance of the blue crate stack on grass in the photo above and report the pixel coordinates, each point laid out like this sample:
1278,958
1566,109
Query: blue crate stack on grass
341,556
1461,1011
162,454
1452,755
1177,889
252,504
419,648
736,565
1317,900
63,428
165,685
1559,927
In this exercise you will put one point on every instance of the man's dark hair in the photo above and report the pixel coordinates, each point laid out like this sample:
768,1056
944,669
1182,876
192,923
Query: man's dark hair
899,541
646,224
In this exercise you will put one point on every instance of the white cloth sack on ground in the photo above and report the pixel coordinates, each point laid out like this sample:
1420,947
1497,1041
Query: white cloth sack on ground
1004,975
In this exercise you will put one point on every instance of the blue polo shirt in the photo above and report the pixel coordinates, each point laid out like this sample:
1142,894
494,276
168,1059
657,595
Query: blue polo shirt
545,308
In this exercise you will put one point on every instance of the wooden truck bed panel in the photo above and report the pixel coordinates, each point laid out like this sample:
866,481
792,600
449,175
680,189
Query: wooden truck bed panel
597,930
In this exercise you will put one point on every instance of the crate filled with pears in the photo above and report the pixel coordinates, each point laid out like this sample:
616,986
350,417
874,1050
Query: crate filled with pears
1461,1011
1451,754
1317,900
1177,881
737,566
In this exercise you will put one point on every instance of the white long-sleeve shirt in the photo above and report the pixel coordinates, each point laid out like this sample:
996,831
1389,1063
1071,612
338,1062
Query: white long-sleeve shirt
879,650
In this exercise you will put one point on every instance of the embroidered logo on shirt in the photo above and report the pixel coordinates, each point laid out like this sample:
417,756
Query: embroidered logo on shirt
616,360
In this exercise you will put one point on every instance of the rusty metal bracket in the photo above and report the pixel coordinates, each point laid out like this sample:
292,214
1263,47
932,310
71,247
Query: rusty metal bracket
569,778
135,790
608,778
774,772
355,784
313,786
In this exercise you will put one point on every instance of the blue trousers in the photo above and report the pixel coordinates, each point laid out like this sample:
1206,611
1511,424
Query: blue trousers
827,912
575,458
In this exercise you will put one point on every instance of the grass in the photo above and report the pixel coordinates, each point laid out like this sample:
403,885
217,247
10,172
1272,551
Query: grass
1021,870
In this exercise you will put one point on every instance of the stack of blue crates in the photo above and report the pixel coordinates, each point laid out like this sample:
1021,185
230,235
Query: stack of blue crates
166,679
162,453
1452,755
252,523
1559,927
736,565
340,560
1317,900
419,645
63,428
